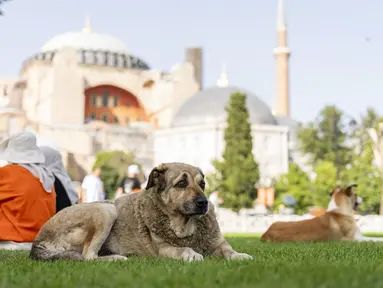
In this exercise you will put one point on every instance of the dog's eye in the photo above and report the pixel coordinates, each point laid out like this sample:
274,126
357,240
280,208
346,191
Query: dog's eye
182,184
202,184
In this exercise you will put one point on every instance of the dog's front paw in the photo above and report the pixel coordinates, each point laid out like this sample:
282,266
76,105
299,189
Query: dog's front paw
190,255
239,256
91,256
114,257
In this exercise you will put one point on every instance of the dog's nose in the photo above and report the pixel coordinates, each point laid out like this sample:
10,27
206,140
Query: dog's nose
201,201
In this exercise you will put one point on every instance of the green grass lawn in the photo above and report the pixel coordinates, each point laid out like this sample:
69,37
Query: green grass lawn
290,265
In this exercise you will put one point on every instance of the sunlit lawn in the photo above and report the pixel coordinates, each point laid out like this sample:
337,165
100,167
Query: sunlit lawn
276,265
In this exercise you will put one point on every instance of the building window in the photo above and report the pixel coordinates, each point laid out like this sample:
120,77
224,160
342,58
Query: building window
93,100
116,101
105,97
105,118
111,101
92,116
98,101
115,120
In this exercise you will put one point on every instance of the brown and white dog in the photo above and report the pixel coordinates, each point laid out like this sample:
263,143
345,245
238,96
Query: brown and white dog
336,224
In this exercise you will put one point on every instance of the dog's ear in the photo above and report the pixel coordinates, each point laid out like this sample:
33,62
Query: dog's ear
336,190
350,189
200,171
157,177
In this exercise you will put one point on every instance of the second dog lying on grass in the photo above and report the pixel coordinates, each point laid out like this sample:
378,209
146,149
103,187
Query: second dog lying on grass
336,224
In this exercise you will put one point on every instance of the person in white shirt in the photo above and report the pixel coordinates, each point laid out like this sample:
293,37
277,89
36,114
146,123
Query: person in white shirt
92,187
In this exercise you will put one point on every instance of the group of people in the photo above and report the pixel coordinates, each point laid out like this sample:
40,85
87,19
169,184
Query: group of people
34,186
92,188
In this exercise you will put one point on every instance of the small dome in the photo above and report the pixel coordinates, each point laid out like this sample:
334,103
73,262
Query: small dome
80,40
208,107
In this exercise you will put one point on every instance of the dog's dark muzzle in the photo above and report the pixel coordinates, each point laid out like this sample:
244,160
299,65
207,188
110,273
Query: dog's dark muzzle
201,204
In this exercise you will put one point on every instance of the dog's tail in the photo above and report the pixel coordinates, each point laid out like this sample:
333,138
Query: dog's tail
41,253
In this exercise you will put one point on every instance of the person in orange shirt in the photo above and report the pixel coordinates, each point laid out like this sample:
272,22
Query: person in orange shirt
27,196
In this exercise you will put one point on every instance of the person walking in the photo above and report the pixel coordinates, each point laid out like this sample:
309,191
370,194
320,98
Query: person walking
92,187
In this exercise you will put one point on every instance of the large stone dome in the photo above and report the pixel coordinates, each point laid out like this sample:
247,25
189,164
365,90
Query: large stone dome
81,40
92,48
208,107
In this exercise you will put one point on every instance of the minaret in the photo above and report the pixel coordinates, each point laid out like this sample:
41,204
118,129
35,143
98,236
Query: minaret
223,80
282,54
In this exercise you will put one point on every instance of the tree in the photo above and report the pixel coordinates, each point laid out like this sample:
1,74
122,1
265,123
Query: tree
212,183
325,139
297,184
363,170
1,3
368,120
324,183
113,165
356,160
367,175
238,172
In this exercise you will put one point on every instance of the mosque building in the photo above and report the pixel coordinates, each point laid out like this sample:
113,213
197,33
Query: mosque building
85,92
196,132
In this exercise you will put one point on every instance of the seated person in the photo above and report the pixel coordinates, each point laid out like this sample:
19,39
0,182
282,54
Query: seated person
27,196
129,183
66,193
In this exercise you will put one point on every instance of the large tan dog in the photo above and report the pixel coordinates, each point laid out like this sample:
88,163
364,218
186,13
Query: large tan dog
170,218
336,224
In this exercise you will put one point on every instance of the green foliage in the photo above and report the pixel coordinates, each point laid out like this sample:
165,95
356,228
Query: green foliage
114,165
307,192
238,172
367,175
322,137
324,183
297,184
363,170
369,120
356,159
212,183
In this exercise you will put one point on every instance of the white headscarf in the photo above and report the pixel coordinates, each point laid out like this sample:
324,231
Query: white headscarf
21,149
53,162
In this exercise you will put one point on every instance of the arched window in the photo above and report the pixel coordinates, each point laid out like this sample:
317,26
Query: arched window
105,97
93,100
105,118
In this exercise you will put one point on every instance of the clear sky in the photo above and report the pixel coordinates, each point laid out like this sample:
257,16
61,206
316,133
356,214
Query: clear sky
337,45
